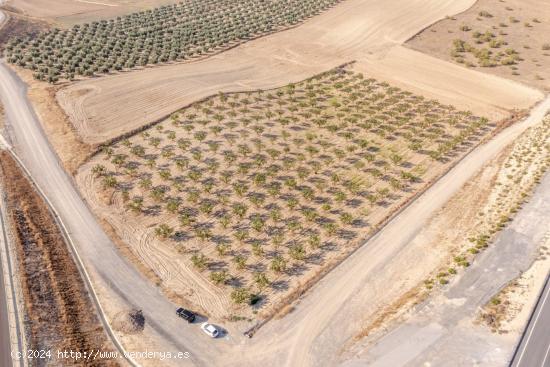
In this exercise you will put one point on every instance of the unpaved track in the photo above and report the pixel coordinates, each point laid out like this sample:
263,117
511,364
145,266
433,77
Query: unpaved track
102,260
362,30
443,329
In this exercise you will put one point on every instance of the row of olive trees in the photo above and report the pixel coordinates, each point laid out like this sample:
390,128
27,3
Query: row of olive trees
168,33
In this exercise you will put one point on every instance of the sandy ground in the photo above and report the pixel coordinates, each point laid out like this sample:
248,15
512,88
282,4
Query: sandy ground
446,329
309,324
523,25
433,246
469,212
65,13
2,117
364,30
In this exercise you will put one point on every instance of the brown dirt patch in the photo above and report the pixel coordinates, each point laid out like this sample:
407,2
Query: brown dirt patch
519,25
2,117
17,25
170,257
59,312
483,205
360,30
129,322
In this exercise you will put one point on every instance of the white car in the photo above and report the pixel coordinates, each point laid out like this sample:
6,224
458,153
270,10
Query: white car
210,329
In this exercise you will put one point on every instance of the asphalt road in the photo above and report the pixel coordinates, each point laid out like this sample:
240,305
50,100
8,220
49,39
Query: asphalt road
534,348
5,342
5,337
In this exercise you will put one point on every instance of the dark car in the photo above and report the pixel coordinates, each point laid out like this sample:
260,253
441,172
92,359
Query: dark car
186,314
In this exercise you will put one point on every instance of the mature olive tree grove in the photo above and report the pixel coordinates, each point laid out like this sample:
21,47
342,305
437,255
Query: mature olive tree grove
168,33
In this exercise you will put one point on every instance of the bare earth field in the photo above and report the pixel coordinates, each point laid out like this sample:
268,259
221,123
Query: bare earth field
256,225
363,30
65,13
505,38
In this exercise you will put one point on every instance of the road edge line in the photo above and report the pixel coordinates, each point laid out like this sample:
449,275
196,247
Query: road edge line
531,315
9,285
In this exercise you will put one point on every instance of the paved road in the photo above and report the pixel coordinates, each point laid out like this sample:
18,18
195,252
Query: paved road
5,341
534,348
7,296
441,333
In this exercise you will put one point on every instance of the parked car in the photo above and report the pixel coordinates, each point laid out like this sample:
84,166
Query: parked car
186,314
210,329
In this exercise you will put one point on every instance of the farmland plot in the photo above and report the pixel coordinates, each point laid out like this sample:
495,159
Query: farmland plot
165,34
367,31
257,193
506,38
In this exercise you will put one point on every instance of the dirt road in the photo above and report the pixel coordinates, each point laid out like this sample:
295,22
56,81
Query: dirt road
308,336
102,260
320,325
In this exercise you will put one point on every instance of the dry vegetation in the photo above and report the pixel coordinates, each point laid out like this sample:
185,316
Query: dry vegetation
66,13
519,175
507,311
363,30
261,191
20,26
463,228
165,34
59,313
505,37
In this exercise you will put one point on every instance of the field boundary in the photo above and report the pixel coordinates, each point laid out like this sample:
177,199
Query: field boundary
98,147
434,23
67,83
80,265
